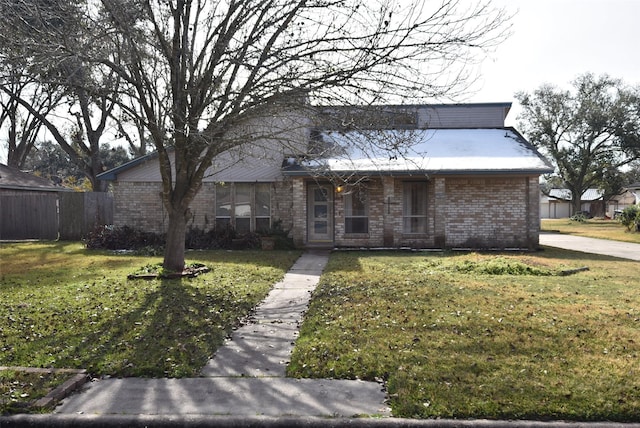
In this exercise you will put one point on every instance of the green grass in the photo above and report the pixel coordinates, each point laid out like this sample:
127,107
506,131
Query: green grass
592,228
480,336
66,307
451,335
19,389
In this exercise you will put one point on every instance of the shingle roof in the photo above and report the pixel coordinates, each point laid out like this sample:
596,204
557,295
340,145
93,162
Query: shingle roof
633,186
13,178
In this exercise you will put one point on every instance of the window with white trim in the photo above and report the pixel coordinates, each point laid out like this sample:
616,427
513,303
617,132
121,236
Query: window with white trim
414,207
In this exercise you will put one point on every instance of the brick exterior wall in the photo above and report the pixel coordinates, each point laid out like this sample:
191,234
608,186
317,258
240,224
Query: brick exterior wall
299,209
139,205
473,212
490,213
282,204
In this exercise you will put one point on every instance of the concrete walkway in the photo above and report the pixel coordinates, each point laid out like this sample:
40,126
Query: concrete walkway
246,377
625,250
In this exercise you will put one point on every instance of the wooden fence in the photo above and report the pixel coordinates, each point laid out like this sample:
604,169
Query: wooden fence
55,215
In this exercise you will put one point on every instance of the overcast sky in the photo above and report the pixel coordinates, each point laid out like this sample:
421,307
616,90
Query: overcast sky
553,41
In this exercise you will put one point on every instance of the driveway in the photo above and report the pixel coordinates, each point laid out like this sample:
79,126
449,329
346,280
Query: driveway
625,250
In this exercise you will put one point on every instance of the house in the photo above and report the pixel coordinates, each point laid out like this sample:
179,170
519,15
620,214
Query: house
420,176
557,203
13,181
634,190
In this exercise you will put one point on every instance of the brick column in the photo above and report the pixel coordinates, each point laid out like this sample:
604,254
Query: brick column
533,212
388,217
440,217
299,208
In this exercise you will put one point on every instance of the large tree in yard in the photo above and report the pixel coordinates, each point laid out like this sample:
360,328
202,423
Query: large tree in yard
40,42
203,69
589,132
20,127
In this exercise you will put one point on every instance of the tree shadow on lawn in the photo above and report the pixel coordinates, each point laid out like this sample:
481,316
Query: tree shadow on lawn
172,333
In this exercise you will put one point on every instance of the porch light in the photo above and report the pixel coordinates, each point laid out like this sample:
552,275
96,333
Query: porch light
339,189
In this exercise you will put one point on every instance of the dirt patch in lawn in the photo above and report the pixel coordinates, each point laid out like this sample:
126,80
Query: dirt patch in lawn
156,271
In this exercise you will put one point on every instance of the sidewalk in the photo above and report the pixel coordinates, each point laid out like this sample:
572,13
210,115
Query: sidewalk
246,377
625,250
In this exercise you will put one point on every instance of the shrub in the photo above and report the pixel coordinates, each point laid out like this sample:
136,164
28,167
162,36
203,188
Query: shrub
200,239
580,217
281,235
224,236
122,238
128,238
248,241
630,218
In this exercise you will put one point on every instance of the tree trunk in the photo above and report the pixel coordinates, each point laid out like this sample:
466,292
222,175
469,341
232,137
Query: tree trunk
577,206
174,246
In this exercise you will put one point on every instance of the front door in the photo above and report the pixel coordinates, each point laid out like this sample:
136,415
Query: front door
320,209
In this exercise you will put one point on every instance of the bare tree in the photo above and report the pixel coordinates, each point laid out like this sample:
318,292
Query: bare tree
82,143
202,70
130,125
43,37
23,128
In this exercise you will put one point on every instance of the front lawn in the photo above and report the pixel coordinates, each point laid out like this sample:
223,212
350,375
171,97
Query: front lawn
480,335
592,228
66,307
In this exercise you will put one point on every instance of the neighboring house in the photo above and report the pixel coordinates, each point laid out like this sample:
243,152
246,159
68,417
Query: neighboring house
557,203
420,176
13,181
634,190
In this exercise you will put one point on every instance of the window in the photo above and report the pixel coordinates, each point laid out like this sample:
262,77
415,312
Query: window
356,211
223,205
414,207
242,207
245,206
263,206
